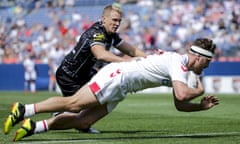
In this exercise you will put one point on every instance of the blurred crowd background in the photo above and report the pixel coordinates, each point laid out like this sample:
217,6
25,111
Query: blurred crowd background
43,29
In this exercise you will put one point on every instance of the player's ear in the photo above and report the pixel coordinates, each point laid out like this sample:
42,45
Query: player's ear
103,19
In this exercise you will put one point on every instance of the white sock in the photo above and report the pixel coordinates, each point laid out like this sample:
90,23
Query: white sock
41,126
25,85
33,87
29,110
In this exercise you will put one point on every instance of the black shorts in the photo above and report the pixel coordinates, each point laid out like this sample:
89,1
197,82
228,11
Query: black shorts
69,85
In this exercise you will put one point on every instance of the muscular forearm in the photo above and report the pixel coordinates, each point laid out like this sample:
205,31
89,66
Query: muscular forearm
139,53
206,102
131,50
188,106
109,57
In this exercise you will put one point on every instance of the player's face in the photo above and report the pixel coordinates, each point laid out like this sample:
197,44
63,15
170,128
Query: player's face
112,22
202,63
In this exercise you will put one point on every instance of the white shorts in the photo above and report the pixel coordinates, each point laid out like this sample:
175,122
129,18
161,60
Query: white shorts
108,86
30,75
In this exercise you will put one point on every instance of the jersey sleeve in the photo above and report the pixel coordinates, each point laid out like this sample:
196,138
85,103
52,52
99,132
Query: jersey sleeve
178,71
96,37
117,40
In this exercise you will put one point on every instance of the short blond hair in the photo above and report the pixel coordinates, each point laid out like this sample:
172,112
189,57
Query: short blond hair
113,7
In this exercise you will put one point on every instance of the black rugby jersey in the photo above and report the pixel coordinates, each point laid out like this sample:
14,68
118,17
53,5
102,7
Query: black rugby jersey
79,62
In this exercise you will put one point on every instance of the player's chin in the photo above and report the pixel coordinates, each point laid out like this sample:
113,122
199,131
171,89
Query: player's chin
198,72
114,30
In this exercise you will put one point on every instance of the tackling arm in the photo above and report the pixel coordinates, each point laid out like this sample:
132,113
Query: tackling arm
102,54
130,50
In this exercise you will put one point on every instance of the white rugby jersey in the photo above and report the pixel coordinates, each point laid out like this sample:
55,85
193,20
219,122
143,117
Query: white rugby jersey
29,65
153,71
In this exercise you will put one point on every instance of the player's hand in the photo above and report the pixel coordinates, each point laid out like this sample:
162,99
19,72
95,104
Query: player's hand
209,101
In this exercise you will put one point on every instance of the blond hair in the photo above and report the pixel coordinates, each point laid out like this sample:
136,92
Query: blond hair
113,7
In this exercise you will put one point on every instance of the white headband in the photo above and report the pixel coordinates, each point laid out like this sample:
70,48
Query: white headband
201,51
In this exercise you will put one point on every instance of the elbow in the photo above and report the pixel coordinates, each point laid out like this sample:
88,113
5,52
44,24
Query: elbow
105,58
181,98
180,95
100,57
180,107
179,103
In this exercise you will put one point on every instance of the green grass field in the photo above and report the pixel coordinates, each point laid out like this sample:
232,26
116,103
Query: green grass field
140,118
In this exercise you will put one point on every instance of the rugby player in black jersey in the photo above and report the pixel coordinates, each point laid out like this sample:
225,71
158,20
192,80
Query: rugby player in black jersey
90,54
83,61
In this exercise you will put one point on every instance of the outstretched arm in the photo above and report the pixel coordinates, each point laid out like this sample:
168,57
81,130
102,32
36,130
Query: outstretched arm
184,94
104,55
206,102
130,50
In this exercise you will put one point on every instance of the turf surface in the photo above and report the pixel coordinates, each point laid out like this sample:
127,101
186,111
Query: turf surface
143,119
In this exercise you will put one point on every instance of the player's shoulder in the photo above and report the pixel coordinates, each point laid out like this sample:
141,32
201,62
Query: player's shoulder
168,54
176,56
97,26
173,58
95,31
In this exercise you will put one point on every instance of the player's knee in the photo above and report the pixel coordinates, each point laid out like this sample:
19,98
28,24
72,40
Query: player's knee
73,106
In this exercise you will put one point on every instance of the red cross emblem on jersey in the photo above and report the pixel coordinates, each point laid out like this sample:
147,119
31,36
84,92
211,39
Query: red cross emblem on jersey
183,67
113,74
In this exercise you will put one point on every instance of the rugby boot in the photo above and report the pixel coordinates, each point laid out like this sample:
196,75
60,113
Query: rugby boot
16,115
89,130
27,129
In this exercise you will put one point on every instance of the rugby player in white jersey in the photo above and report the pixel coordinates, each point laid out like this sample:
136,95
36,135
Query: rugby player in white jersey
111,84
30,74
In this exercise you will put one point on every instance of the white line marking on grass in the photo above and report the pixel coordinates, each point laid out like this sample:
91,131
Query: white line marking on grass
122,138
